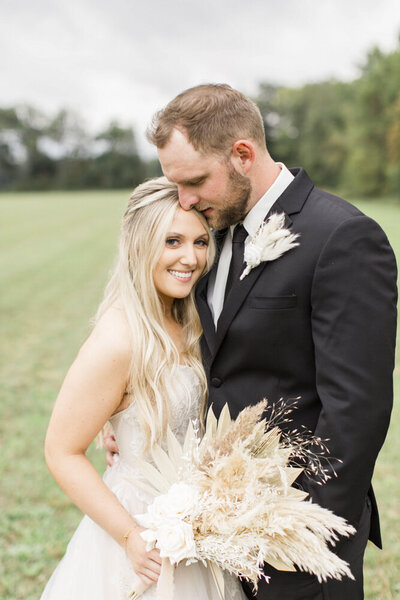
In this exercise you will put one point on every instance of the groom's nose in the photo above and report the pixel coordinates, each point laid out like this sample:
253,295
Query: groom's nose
187,198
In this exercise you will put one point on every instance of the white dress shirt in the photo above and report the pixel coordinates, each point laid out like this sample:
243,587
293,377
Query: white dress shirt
252,221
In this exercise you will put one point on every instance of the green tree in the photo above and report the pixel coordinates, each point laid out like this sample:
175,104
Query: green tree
373,162
307,126
119,164
9,146
347,135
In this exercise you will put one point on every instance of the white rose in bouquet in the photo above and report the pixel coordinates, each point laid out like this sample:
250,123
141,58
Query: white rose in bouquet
165,525
175,541
182,499
158,511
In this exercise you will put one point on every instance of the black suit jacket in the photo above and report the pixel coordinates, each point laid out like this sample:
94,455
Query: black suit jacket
318,323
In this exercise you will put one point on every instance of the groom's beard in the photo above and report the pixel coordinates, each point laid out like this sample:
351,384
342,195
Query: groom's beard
235,207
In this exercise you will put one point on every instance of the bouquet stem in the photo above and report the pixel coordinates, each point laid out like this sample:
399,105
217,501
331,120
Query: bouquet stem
139,589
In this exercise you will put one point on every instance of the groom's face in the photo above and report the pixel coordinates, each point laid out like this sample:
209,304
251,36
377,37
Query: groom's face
209,183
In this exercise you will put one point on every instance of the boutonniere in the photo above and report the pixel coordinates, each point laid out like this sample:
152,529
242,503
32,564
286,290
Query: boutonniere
270,241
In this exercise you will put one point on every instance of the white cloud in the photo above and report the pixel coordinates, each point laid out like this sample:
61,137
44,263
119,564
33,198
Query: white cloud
126,59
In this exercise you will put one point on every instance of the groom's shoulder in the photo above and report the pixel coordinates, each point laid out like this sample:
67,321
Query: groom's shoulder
314,206
326,216
334,208
325,212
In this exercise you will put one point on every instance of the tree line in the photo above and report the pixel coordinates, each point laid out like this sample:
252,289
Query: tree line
38,152
346,134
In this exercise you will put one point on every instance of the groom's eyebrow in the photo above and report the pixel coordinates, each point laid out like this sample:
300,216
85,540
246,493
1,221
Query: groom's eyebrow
194,180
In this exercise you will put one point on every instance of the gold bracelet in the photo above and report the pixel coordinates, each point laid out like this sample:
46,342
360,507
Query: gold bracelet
128,533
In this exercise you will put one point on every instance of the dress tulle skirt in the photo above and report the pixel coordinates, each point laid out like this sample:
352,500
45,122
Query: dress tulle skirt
95,567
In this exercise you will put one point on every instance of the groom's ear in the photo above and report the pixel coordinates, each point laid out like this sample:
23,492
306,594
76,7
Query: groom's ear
243,156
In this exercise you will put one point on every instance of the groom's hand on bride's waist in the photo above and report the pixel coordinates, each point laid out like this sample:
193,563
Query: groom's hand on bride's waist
111,447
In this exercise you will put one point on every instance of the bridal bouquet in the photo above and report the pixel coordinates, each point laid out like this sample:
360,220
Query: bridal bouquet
227,500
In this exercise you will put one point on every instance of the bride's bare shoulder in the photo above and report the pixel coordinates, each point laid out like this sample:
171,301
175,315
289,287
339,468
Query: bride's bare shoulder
111,334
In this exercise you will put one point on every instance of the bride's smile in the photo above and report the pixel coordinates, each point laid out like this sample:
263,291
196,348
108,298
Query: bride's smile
183,258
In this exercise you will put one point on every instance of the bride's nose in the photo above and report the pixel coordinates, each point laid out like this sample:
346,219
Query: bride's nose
188,256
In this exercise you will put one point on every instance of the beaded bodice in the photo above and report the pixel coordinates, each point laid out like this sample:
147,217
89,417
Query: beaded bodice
185,399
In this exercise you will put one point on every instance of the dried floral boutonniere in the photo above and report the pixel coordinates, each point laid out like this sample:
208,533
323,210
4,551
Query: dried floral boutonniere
270,241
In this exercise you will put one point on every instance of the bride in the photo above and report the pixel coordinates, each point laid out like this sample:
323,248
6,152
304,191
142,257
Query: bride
140,369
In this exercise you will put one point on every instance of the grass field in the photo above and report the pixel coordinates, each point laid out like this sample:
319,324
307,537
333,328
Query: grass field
55,252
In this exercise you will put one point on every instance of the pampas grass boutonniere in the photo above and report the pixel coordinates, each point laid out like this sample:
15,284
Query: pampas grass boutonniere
270,241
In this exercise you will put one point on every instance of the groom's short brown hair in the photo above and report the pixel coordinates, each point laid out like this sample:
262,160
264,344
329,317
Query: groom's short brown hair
212,116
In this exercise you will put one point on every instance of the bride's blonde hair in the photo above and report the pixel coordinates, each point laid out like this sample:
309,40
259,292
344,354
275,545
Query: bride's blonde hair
155,358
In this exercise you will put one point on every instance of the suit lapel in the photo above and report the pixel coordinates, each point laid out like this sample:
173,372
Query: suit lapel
206,318
241,289
234,301
290,202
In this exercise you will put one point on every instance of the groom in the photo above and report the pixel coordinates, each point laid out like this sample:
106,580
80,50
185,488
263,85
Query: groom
318,323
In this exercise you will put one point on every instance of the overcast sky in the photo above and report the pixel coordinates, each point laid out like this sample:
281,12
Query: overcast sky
124,59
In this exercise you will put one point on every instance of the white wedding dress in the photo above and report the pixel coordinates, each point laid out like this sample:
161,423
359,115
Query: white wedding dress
95,567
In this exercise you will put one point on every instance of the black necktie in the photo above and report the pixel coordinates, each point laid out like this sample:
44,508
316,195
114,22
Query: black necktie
236,266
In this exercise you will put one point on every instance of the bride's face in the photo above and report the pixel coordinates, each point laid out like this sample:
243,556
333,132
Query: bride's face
184,256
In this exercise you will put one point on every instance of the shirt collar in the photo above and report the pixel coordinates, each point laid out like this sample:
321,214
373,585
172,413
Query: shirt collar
257,214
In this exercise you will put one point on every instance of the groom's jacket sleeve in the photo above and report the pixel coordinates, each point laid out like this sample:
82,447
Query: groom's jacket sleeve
353,315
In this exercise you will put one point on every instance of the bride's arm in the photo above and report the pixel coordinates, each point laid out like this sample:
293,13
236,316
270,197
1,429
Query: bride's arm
90,394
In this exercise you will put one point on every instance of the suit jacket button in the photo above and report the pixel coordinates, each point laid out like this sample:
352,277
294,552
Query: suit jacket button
216,381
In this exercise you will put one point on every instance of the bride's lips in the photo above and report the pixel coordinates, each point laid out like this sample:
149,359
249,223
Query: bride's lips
181,275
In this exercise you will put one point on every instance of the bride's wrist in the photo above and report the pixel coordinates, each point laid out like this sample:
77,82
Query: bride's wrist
125,537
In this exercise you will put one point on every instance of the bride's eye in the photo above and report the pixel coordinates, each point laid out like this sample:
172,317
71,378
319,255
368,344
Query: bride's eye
171,242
